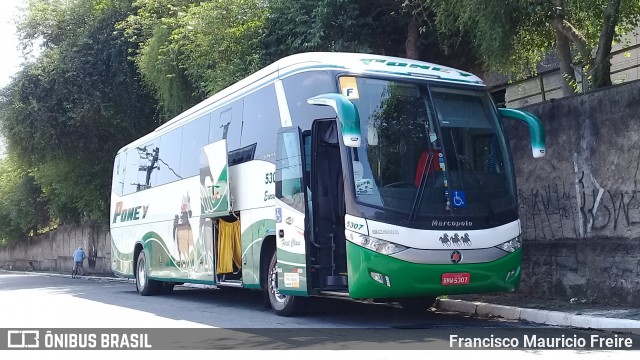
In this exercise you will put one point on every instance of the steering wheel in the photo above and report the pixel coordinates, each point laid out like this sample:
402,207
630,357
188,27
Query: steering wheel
400,184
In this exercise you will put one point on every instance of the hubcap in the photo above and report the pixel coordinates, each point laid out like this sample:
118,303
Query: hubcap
142,275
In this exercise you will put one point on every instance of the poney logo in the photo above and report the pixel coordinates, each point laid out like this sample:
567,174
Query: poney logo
129,214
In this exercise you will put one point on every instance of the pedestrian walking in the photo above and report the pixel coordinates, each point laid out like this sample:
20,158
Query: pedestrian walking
78,260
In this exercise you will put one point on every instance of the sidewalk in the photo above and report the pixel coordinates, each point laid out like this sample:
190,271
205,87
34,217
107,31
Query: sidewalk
510,306
573,313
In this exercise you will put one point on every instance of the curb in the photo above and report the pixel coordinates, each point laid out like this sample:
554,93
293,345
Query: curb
100,278
87,277
548,317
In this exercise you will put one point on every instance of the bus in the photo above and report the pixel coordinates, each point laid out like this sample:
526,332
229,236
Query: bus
327,174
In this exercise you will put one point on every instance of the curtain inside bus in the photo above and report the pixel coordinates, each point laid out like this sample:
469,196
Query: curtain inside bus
229,247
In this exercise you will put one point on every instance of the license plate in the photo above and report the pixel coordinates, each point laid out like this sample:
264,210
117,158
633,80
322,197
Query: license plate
456,279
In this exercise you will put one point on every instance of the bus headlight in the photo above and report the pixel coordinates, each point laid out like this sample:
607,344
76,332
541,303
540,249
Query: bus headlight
511,245
378,245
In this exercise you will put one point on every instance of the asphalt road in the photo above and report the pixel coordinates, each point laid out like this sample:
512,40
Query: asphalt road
38,301
62,302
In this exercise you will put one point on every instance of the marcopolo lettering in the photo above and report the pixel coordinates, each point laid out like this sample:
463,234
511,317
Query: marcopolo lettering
441,223
129,214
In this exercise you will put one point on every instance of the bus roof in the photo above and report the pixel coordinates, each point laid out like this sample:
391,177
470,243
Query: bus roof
359,63
368,63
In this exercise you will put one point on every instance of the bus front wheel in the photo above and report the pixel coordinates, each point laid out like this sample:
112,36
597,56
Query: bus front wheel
283,305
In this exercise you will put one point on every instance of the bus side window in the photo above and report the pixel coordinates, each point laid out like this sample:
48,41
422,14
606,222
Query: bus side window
130,180
194,138
118,173
169,157
261,117
300,87
148,165
226,123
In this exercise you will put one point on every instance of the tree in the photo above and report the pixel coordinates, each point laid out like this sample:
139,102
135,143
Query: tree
513,36
66,115
613,16
387,27
23,209
189,50
149,26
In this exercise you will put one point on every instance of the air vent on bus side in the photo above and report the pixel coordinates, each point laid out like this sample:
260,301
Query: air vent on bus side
241,155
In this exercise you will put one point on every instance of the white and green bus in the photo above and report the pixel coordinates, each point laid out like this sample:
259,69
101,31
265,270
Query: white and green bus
326,174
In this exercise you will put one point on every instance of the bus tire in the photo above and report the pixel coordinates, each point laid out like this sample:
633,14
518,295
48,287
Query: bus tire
417,304
144,285
283,305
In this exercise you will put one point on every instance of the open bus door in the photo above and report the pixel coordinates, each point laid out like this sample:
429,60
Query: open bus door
215,197
291,200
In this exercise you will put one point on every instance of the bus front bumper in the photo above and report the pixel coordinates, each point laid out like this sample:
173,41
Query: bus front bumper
399,278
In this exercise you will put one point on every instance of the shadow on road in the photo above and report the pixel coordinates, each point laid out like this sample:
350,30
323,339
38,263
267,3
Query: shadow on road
228,307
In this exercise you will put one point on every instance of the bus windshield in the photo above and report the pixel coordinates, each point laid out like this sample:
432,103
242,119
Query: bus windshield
431,152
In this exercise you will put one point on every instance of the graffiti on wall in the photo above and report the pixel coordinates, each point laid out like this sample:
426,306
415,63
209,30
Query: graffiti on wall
584,208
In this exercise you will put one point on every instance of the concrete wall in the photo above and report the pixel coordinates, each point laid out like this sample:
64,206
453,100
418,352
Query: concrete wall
53,251
580,204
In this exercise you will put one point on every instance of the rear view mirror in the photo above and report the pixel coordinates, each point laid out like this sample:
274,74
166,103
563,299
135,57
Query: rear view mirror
347,116
536,131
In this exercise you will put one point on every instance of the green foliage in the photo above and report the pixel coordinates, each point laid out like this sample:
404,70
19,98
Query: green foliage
325,25
219,42
67,114
511,37
149,26
78,189
190,50
493,26
23,209
163,74
375,26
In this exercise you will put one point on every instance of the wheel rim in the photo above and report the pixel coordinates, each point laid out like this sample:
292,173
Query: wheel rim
142,274
273,285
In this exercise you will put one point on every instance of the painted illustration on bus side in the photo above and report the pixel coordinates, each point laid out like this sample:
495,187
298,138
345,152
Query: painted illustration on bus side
188,253
182,233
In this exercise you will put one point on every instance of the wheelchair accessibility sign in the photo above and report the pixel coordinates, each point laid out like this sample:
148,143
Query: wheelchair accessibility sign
459,199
